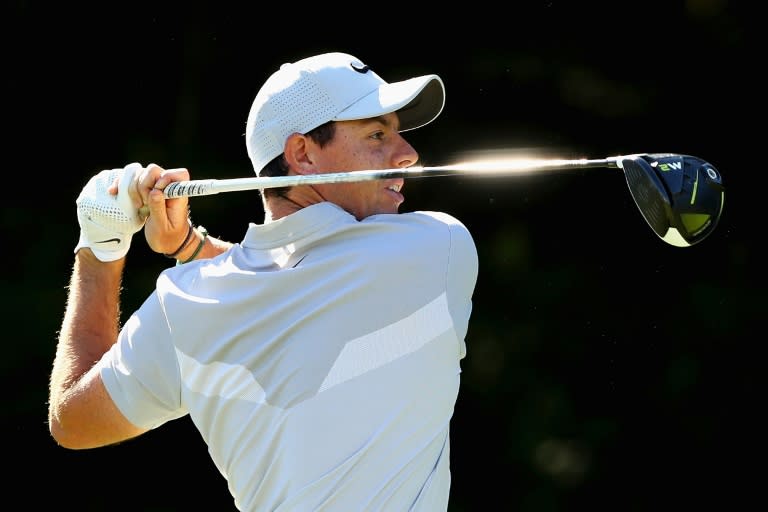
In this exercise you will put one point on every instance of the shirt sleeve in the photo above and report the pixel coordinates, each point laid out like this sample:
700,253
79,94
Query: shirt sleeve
141,372
462,278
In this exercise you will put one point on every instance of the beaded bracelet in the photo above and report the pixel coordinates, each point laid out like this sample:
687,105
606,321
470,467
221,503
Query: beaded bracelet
204,234
184,243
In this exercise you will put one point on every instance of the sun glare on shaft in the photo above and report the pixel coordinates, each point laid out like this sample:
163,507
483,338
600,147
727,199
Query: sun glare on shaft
504,162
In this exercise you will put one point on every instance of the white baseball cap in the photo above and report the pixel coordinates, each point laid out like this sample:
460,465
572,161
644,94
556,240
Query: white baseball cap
301,96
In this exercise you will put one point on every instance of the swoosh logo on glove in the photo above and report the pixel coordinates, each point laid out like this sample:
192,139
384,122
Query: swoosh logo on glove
108,240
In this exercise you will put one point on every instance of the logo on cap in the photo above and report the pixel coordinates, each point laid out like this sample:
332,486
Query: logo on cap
360,69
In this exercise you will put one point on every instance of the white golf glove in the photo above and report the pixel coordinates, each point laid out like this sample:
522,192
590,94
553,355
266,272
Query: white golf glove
107,222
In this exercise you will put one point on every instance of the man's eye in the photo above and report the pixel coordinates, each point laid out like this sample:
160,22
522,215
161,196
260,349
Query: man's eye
378,135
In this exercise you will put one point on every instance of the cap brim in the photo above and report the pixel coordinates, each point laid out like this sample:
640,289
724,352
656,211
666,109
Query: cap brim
418,101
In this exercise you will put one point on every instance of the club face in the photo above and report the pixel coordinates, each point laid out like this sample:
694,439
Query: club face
680,196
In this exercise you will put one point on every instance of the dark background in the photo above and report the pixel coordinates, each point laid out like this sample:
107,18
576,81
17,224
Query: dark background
605,368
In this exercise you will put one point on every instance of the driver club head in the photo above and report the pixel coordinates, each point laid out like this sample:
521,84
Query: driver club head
680,196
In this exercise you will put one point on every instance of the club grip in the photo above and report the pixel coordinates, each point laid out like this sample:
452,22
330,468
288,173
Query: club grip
190,188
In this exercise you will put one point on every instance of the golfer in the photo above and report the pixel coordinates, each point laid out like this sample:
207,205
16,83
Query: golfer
319,357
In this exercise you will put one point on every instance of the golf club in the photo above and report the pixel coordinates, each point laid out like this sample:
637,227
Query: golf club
680,196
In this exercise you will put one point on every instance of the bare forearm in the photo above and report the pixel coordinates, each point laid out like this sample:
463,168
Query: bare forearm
90,324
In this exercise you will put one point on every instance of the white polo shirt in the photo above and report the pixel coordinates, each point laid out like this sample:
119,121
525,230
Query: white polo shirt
319,358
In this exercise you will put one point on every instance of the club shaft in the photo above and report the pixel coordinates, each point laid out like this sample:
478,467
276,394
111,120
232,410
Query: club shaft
207,187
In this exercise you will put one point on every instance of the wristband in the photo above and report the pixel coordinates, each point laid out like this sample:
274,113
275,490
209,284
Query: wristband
183,244
204,233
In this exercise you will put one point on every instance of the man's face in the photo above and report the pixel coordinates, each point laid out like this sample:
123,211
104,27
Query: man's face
359,145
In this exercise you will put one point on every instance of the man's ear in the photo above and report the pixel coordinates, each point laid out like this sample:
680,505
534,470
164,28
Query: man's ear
298,154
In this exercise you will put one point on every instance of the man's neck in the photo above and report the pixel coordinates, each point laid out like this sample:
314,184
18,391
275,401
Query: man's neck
276,208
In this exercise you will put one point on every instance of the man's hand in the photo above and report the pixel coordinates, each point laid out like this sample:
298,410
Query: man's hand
167,225
108,220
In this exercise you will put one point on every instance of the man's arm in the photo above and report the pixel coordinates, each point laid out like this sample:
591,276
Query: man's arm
81,413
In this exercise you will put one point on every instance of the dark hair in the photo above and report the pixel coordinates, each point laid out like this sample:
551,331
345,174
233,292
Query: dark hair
321,135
